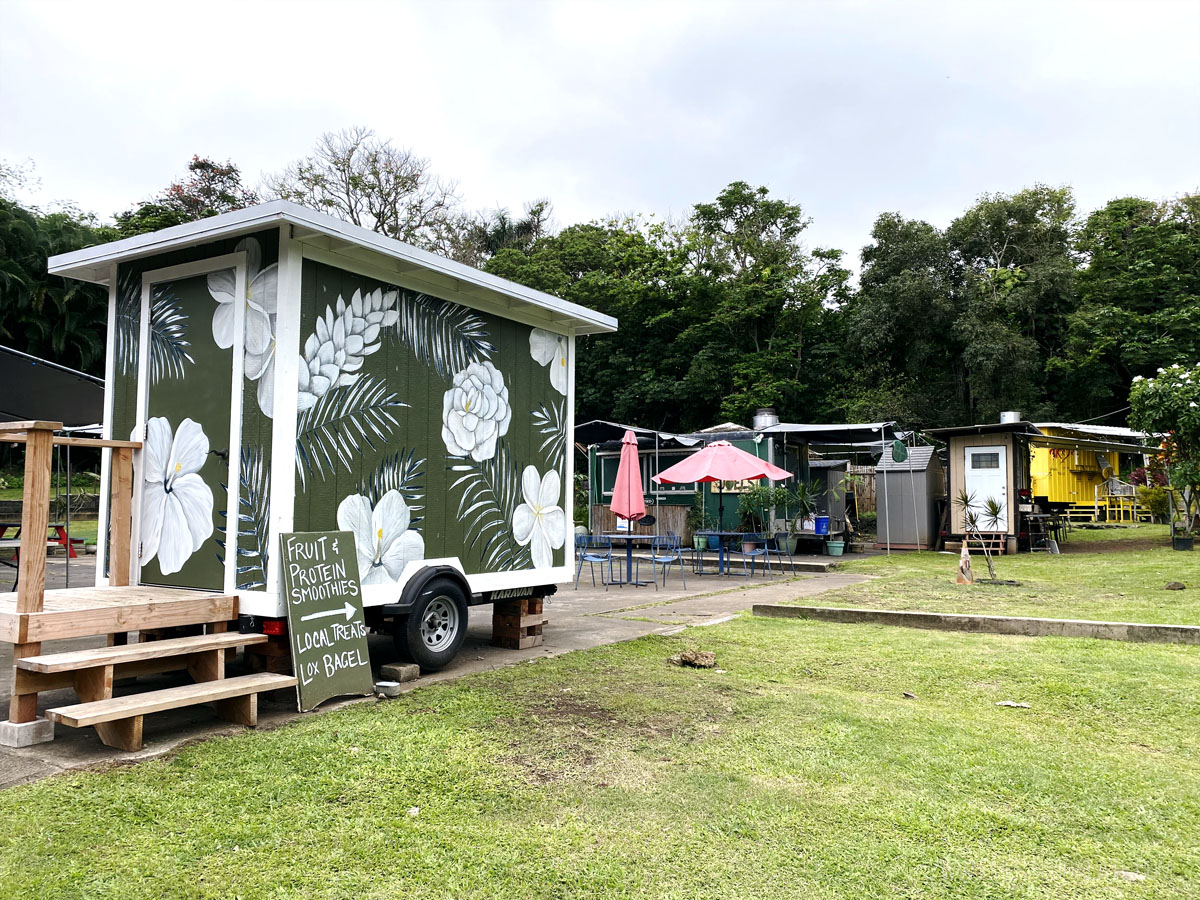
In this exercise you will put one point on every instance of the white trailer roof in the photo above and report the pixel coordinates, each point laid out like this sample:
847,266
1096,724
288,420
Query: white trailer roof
332,236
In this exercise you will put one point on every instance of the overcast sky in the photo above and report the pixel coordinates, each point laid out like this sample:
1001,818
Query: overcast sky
849,109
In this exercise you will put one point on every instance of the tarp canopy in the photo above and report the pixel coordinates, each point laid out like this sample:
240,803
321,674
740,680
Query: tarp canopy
1034,436
839,435
602,432
35,388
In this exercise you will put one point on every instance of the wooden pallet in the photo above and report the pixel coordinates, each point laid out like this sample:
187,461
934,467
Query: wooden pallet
517,624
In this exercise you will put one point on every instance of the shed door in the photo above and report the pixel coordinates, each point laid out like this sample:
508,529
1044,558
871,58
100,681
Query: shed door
987,478
190,416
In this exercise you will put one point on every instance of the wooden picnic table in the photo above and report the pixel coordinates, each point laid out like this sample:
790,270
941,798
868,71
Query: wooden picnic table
60,536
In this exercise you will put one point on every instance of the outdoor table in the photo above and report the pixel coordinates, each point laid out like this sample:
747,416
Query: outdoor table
630,540
722,568
58,528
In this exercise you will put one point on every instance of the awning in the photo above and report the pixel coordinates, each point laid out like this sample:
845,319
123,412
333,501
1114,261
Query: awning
38,389
1058,442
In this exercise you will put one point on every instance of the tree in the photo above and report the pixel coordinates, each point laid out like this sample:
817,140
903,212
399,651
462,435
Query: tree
1168,404
482,236
906,356
761,292
59,319
1139,300
633,271
1018,287
355,176
210,188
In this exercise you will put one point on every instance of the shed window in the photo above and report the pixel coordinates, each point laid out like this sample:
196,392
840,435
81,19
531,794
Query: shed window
985,460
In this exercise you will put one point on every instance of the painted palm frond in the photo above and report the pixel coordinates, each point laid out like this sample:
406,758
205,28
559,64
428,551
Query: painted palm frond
168,330
344,423
254,510
445,336
551,425
403,472
490,494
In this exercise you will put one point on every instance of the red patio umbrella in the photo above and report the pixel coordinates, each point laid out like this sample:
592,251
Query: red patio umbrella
720,461
627,501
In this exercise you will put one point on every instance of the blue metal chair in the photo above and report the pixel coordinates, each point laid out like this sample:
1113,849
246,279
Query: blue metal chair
780,546
752,556
664,551
592,550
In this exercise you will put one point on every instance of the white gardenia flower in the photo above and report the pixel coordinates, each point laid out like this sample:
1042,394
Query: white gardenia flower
540,521
382,539
177,505
1138,378
548,348
475,412
334,353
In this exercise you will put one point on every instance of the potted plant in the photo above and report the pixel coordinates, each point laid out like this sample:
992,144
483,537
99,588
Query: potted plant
695,521
801,504
1182,536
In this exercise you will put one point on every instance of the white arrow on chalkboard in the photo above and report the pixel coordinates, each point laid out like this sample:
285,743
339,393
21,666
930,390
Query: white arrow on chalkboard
346,610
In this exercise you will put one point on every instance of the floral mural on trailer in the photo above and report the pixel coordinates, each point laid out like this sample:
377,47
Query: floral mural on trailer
177,505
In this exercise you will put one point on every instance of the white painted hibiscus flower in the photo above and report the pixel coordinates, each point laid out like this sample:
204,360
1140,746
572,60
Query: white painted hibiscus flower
382,538
540,522
475,412
261,304
548,348
177,506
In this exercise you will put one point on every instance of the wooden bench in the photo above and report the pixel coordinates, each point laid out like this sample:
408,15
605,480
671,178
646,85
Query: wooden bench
93,672
118,720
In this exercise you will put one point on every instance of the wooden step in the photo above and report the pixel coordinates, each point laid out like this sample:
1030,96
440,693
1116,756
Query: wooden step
99,711
118,720
107,656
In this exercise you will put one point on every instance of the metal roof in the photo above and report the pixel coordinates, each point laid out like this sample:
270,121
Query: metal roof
409,265
917,461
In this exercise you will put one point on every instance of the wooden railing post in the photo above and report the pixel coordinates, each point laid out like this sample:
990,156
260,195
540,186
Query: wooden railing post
120,518
35,521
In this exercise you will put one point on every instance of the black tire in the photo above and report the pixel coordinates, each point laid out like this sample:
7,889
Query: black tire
432,633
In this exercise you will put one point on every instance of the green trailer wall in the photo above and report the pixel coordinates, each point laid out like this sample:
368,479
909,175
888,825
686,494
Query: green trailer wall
391,431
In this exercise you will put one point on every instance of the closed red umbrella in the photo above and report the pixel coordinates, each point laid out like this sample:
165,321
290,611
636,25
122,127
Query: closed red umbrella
627,501
720,461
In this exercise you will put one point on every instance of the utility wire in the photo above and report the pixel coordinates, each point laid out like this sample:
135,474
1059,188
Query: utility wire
1105,416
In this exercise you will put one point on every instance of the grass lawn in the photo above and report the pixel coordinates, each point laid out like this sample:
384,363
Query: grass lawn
1110,574
799,771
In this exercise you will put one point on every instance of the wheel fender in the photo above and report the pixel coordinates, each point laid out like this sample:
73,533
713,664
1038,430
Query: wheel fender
416,584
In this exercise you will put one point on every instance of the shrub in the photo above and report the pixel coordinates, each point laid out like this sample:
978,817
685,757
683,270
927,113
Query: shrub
1155,500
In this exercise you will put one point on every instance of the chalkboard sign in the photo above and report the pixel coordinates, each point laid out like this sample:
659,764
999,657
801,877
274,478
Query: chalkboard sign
325,616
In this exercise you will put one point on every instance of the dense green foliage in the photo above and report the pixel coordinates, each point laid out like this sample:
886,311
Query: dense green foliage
51,317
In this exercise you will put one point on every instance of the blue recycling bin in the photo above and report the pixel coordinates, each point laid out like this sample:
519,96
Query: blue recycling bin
821,524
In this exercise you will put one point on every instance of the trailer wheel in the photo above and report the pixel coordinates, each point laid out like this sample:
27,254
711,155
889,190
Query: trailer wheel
435,628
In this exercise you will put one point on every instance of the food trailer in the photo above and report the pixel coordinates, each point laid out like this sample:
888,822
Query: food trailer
285,371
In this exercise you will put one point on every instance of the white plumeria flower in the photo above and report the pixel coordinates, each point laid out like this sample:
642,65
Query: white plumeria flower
540,521
548,348
382,539
475,412
260,367
177,506
1138,378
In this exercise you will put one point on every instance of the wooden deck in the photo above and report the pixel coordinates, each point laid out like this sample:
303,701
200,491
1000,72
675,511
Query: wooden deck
80,612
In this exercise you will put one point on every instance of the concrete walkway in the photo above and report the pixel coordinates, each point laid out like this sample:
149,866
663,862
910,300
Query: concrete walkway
576,620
